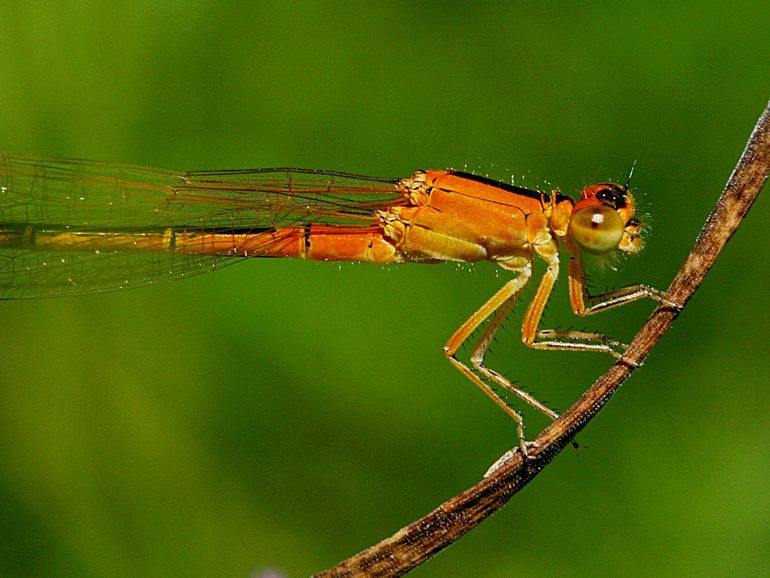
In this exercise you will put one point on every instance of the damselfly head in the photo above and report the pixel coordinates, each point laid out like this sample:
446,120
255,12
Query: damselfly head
603,220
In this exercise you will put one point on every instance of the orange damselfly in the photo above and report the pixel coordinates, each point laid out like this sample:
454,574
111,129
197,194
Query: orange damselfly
72,227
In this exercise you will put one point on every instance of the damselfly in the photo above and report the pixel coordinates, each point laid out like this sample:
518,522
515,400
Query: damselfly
72,227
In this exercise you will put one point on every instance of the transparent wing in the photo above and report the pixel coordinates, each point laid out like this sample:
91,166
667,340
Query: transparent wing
74,195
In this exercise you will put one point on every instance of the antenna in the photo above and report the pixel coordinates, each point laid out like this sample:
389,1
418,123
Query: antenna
630,174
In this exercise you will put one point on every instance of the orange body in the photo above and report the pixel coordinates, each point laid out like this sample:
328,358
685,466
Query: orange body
442,216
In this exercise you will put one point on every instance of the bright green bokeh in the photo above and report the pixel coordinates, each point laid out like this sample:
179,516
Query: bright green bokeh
285,414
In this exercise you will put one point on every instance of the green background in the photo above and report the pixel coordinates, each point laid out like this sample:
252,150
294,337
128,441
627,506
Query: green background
287,414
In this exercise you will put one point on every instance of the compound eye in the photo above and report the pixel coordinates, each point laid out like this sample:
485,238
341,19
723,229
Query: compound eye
596,229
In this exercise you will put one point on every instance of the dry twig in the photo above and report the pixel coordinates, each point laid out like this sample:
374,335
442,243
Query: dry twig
414,544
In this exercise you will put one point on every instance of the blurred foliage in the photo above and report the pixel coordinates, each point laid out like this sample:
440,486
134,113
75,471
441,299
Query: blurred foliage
287,414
